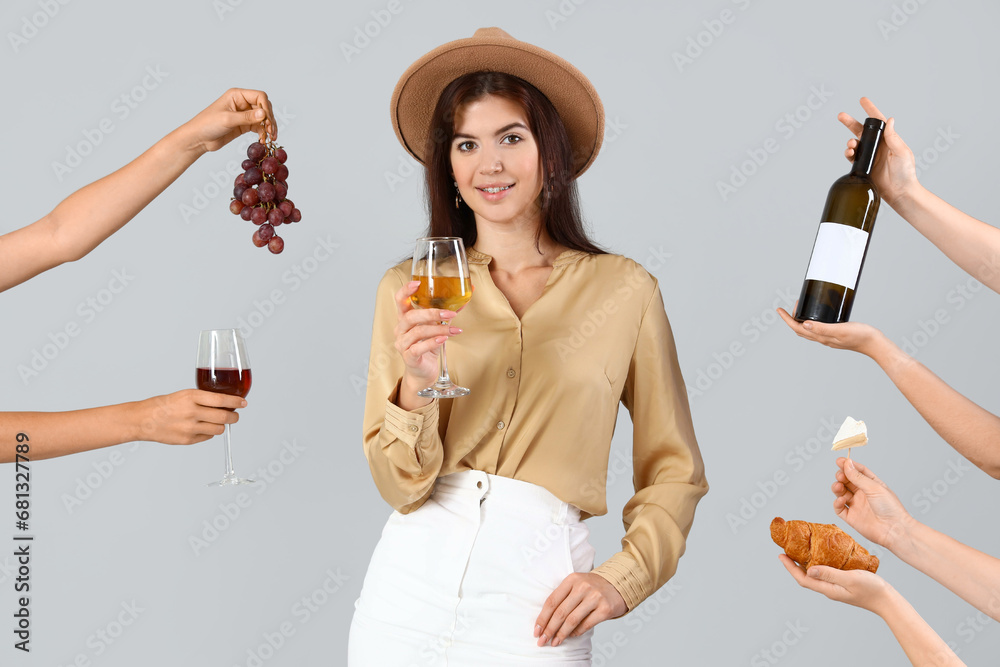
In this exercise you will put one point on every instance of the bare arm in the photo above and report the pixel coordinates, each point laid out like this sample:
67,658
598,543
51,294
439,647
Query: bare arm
868,505
923,646
969,573
971,244
78,225
918,640
971,430
182,418
90,215
974,246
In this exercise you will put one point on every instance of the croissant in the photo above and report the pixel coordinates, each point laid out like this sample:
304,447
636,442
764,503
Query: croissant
810,543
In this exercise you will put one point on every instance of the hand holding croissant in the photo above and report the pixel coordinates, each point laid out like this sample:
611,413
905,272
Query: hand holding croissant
811,544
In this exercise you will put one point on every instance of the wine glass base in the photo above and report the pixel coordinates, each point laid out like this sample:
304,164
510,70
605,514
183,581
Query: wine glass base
233,481
448,391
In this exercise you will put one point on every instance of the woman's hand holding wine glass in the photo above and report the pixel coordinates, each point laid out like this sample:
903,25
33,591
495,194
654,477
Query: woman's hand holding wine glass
440,283
419,336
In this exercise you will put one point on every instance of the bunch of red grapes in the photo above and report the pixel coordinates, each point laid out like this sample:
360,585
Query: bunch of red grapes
259,194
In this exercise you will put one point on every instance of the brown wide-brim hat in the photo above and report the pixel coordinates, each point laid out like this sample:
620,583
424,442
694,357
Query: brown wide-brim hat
493,50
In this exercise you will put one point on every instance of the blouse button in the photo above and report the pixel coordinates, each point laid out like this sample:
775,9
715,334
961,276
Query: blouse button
479,485
500,425
414,428
511,372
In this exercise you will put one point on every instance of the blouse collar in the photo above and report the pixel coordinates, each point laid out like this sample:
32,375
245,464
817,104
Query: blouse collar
565,257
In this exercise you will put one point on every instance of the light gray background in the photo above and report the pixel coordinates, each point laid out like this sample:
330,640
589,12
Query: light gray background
674,133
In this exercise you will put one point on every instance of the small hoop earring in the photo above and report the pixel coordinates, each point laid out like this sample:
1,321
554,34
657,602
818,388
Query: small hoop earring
458,196
547,194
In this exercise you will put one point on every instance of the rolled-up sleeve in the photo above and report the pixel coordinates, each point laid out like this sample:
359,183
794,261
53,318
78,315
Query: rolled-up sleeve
403,448
669,474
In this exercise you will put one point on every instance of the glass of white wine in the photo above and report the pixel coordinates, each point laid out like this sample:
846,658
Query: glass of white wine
439,263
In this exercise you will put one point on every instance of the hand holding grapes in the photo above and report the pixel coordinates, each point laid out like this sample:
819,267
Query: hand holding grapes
238,111
419,334
894,172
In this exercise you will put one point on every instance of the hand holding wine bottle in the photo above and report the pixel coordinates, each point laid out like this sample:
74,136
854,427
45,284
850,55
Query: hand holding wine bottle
855,336
841,244
972,244
895,170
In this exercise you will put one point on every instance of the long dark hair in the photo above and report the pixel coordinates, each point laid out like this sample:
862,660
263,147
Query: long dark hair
560,204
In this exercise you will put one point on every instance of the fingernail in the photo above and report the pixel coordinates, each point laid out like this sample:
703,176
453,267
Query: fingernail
556,642
440,339
447,314
243,403
807,325
538,630
850,464
455,330
542,640
259,113
413,283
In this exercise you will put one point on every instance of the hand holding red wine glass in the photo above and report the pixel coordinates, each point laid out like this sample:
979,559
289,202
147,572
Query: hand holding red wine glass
223,366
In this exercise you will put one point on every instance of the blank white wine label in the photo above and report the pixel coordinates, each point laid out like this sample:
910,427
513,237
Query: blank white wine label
837,254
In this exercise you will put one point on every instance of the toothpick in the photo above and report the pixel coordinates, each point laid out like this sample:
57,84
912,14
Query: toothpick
848,453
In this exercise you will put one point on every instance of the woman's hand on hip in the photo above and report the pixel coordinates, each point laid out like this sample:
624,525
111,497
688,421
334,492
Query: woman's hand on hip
581,601
419,334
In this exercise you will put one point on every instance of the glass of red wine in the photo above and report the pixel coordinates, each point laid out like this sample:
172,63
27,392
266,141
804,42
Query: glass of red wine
224,367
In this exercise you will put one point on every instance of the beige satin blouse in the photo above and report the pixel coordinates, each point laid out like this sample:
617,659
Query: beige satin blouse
544,401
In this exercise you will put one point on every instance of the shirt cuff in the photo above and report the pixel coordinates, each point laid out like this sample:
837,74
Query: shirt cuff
407,425
629,579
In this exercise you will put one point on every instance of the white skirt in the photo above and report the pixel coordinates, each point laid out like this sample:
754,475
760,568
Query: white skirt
460,581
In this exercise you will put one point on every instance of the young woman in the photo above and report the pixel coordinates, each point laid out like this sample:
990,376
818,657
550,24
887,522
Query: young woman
78,225
974,246
486,560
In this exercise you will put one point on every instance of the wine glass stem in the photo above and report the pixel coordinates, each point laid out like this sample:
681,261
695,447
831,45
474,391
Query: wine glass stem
443,378
229,456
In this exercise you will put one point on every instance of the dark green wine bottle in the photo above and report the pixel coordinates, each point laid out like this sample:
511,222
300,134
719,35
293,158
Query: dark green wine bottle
842,240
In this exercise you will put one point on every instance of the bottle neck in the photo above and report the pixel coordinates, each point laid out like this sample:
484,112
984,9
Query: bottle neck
864,154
